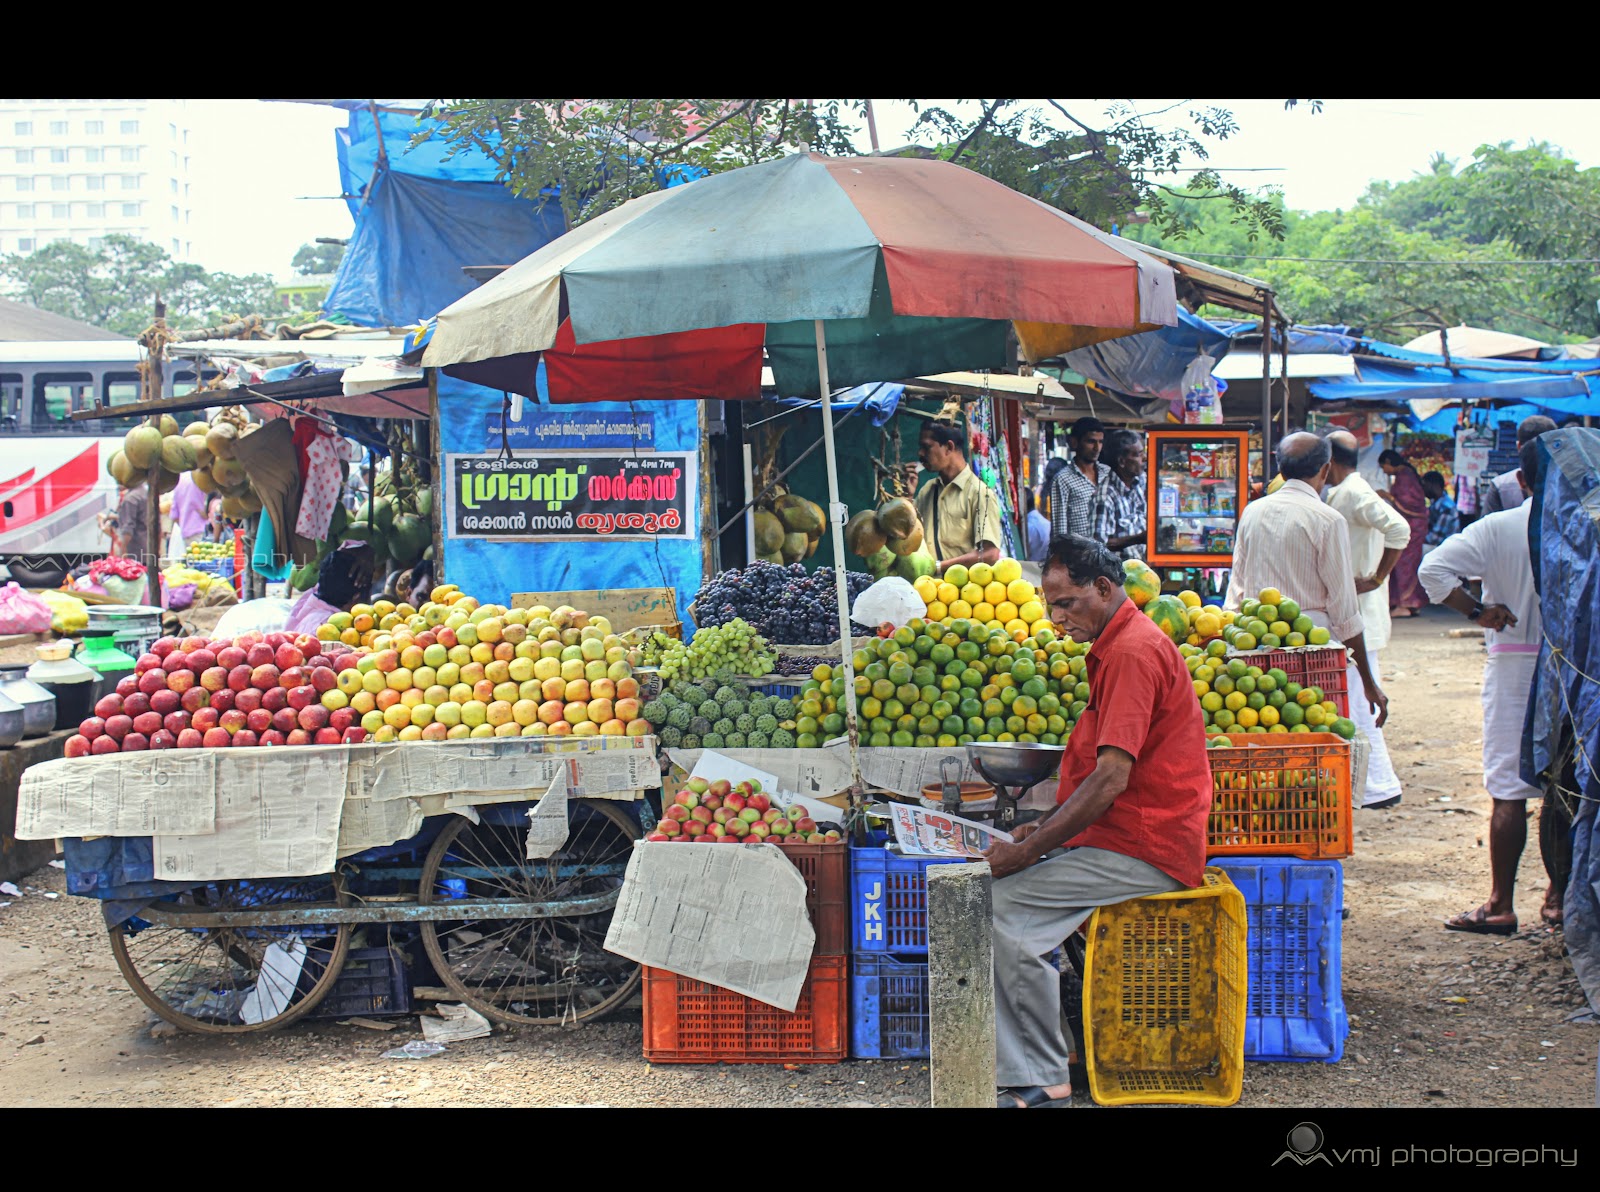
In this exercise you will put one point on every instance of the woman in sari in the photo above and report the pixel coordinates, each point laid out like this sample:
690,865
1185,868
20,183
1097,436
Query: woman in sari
1407,495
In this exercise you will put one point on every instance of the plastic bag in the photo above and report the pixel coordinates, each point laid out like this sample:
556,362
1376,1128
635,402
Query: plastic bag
179,597
892,600
68,614
21,611
262,616
1201,397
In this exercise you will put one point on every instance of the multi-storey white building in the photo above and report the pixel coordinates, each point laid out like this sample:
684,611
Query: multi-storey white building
79,169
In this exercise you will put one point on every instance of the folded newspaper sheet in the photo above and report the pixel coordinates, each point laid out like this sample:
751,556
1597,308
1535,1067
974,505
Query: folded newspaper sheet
732,917
217,814
824,772
935,834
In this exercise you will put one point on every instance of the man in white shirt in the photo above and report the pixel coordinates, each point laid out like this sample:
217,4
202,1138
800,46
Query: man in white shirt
1495,549
1377,536
1293,542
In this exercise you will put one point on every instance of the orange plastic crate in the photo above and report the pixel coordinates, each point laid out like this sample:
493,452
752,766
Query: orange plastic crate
689,1022
1311,666
1281,794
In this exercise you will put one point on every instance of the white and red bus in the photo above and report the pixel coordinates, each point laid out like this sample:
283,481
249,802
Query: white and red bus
53,478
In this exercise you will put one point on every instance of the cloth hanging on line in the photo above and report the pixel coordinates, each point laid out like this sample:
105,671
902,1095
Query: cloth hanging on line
323,483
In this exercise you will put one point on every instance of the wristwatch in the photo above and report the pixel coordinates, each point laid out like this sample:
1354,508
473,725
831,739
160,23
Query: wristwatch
1475,611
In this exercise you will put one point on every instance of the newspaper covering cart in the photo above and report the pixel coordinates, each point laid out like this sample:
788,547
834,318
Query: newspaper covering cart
235,883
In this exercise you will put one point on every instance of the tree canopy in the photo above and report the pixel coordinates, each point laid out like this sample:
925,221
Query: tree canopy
1459,221
591,155
115,285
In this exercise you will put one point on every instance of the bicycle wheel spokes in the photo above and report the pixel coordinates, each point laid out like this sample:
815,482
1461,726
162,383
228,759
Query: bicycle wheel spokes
222,979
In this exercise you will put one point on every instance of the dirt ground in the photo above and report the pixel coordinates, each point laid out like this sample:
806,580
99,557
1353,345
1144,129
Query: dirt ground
1436,1018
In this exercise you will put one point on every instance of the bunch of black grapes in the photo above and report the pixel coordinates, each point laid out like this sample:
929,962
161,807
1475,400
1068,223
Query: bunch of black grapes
784,604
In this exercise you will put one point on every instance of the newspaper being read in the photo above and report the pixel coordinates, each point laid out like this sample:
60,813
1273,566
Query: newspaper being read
935,834
732,917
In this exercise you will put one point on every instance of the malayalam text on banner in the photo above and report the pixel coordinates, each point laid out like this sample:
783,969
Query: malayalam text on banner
571,495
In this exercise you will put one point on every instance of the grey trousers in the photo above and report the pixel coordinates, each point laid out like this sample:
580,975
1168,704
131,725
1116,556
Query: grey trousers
1033,912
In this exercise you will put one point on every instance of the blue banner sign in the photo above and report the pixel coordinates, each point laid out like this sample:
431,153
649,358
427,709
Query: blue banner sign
555,430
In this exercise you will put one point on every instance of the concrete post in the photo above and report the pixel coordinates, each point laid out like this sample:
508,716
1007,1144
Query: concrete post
961,986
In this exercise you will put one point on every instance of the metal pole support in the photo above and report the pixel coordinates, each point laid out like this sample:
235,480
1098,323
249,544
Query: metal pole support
961,1029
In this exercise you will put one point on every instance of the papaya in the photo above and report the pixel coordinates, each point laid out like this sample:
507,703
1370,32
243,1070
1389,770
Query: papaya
863,535
897,516
142,446
1170,615
1140,583
177,454
769,533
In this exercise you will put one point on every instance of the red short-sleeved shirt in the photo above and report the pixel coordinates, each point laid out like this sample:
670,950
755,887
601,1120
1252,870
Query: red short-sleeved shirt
1143,703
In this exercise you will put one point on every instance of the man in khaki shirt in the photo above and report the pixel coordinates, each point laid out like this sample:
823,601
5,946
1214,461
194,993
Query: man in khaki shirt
960,514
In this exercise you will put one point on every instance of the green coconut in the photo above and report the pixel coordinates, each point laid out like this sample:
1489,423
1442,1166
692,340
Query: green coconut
794,546
220,440
204,481
798,515
908,545
359,530
123,472
202,454
142,446
898,517
177,454
880,562
228,473
913,567
774,557
196,428
169,426
409,534
769,533
821,518
863,535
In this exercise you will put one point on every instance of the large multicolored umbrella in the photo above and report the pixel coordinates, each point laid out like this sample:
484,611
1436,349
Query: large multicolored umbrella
916,267
836,271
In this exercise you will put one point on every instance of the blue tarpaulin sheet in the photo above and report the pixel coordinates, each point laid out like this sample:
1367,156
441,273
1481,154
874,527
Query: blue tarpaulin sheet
1150,365
1382,384
1564,533
411,240
880,401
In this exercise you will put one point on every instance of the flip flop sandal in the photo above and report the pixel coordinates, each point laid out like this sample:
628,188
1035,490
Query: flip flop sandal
1030,1098
1477,923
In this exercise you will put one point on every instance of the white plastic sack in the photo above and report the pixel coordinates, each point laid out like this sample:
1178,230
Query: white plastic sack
262,616
891,600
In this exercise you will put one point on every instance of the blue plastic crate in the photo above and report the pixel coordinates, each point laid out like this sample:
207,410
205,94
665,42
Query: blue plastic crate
222,566
788,688
1295,1008
889,901
888,1008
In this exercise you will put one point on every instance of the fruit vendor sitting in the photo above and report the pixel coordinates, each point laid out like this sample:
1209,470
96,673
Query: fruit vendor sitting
960,514
1130,817
344,579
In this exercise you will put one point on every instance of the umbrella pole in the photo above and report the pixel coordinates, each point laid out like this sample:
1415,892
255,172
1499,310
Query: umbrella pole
836,516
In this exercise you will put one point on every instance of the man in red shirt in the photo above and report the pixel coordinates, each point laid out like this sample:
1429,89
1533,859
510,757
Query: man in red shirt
1131,809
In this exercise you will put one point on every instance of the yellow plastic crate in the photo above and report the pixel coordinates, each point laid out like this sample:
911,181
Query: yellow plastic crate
1164,989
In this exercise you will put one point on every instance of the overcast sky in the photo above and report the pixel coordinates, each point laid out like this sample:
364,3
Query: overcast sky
254,159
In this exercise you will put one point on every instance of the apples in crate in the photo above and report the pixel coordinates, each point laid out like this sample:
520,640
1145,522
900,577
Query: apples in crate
740,812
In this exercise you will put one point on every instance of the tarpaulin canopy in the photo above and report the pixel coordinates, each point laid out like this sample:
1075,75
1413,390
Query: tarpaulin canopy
879,401
1564,540
914,266
1152,364
1382,384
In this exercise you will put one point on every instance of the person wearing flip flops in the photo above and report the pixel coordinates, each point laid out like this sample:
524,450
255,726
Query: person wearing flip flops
1495,550
1130,815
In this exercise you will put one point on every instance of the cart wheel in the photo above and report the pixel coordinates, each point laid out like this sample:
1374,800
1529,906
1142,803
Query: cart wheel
199,978
543,972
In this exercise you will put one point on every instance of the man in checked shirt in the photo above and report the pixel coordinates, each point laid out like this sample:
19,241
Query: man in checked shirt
1080,488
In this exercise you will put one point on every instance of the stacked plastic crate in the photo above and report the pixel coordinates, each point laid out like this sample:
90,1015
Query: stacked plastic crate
1280,825
889,953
